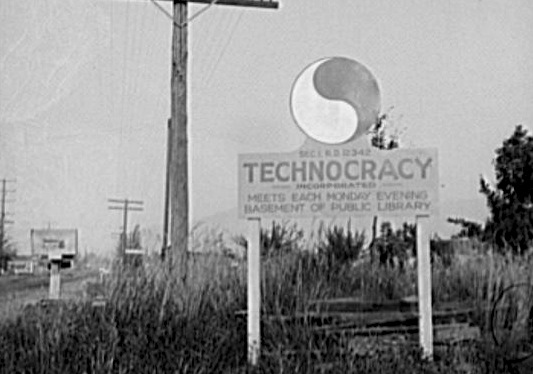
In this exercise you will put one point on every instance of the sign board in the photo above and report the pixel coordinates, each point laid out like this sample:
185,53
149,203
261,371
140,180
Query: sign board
134,251
335,101
338,180
20,266
54,243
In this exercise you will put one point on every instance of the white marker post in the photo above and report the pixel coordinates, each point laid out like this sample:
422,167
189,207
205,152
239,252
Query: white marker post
55,280
424,286
254,290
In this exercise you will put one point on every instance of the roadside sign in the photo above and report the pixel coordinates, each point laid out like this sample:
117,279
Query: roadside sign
338,181
335,101
57,246
54,243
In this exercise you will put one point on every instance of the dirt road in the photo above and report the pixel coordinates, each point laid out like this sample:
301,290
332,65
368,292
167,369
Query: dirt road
18,291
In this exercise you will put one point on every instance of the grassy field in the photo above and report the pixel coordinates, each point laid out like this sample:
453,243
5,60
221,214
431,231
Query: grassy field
17,291
161,320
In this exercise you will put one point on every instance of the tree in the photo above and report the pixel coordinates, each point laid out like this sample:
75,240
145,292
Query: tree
381,138
7,251
511,200
135,241
380,135
469,229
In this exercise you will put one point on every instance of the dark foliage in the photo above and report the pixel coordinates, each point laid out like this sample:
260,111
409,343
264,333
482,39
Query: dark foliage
380,136
281,238
395,247
443,250
340,246
7,251
511,200
469,229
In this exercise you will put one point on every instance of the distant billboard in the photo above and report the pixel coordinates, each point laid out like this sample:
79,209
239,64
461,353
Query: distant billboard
54,243
20,266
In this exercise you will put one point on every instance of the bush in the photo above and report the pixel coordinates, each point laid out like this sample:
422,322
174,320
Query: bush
339,247
282,238
394,247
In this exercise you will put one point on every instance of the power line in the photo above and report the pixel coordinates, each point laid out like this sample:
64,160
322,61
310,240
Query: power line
226,45
190,19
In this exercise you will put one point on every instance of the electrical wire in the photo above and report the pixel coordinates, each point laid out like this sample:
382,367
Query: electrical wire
224,48
124,86
210,40
130,84
190,19
137,56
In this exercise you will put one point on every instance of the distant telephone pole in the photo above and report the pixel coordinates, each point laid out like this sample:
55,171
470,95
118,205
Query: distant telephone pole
126,206
3,213
179,198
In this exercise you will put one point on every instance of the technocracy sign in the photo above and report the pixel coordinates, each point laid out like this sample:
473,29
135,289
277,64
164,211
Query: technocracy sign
336,181
335,101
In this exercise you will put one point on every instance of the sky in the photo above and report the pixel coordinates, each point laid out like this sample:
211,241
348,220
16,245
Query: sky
85,97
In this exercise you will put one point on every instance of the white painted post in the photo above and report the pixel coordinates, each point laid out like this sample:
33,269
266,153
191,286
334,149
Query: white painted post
424,286
55,281
254,290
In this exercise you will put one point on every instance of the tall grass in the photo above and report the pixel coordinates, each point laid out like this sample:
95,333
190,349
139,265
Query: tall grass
157,320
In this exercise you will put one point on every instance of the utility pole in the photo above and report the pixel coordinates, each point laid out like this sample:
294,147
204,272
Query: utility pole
179,179
3,213
179,198
126,206
167,193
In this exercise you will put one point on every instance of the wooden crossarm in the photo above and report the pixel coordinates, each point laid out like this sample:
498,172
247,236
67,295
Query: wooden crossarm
247,3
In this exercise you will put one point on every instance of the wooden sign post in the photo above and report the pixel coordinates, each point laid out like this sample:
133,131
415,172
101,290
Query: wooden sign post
424,286
55,280
254,289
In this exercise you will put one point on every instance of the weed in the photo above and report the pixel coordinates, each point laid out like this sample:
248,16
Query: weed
159,321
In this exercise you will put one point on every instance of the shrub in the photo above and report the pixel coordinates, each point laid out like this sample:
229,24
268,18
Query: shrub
339,247
281,238
394,247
